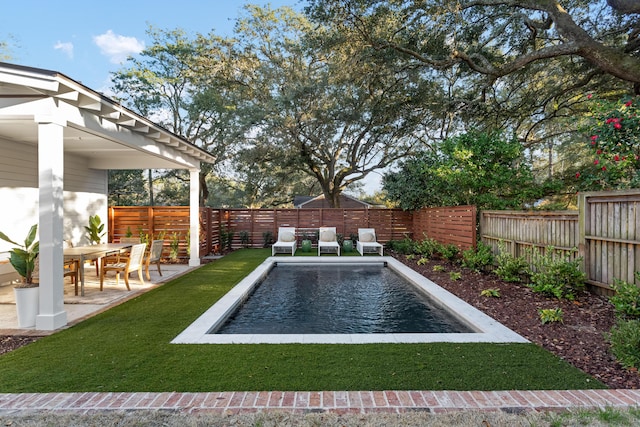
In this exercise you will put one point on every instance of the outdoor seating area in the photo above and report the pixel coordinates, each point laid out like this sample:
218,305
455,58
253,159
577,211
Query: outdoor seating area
327,241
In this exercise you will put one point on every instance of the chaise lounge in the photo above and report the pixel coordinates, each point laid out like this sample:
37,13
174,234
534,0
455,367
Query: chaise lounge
367,242
286,241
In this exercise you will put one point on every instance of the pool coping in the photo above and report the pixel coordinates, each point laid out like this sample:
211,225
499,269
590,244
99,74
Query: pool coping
489,330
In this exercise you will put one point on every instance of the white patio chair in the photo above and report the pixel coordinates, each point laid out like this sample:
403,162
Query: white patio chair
127,264
367,242
286,241
328,240
154,257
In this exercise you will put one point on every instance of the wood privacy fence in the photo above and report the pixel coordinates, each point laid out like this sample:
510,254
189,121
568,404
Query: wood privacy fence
455,225
604,232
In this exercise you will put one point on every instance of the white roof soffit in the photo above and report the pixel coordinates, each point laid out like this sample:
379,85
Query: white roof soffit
109,135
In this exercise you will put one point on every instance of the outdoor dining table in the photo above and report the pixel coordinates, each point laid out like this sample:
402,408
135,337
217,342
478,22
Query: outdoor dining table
93,252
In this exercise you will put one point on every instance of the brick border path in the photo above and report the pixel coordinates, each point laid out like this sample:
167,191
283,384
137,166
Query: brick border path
341,402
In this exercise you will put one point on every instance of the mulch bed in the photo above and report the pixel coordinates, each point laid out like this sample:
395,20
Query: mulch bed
580,339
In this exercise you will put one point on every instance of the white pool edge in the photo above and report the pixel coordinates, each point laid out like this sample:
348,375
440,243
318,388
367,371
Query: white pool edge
489,330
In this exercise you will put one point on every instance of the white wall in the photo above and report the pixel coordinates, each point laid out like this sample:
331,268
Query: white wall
85,193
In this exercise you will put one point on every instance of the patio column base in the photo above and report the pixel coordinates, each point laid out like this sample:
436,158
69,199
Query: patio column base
51,322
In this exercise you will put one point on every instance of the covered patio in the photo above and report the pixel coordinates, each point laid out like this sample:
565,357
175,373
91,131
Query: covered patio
58,139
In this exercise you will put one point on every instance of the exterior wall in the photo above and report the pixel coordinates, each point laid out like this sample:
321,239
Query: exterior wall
85,193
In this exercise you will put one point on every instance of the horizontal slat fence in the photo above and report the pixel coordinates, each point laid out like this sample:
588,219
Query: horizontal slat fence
448,225
390,224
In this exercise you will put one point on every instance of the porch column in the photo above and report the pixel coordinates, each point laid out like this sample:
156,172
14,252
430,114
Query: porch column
194,217
51,315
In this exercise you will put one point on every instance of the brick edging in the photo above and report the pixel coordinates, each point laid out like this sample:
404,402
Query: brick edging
394,401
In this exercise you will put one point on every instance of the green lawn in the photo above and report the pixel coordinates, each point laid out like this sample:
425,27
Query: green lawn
127,349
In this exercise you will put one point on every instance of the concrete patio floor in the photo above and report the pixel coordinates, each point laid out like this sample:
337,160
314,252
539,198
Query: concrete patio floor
93,302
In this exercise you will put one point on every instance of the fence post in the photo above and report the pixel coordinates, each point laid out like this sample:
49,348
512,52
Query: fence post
582,227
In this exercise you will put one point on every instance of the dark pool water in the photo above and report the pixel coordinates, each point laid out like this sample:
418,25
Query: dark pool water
338,299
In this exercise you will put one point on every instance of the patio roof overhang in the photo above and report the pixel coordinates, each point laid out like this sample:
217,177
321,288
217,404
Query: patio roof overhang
106,134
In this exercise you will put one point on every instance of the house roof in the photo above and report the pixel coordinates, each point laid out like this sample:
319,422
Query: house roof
300,201
96,127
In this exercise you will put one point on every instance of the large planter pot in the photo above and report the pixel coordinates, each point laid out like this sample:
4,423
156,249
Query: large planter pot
347,246
306,246
27,305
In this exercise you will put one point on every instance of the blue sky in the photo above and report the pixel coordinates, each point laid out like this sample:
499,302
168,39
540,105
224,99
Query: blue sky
85,40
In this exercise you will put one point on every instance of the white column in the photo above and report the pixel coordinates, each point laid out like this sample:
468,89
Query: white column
194,217
51,315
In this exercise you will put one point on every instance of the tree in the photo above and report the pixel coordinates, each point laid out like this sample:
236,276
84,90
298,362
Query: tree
325,114
472,169
169,85
497,37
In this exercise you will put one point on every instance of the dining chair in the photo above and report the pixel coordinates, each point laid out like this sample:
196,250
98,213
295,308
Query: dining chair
154,257
127,264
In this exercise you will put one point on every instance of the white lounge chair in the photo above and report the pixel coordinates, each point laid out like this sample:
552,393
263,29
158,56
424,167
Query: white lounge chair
367,242
286,241
328,240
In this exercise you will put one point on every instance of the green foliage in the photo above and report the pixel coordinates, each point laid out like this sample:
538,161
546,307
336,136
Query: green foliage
455,275
614,137
405,246
422,261
510,268
427,247
174,246
625,342
267,238
226,238
477,259
95,229
449,252
626,299
550,315
556,276
244,238
24,256
438,267
481,169
491,292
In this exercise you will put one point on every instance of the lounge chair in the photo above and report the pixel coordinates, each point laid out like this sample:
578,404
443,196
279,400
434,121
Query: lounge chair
127,264
367,242
286,241
328,240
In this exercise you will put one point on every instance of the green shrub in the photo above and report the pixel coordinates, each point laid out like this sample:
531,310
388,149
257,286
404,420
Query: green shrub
422,261
625,342
449,251
244,238
404,246
477,259
510,268
627,299
267,238
556,276
427,247
549,315
455,275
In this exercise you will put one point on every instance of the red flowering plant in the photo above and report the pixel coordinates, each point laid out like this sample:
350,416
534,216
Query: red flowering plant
614,137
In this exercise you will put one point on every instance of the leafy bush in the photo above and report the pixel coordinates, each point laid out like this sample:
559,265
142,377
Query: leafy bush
556,276
477,259
404,246
627,299
267,238
549,315
244,238
428,247
625,342
455,275
510,268
449,251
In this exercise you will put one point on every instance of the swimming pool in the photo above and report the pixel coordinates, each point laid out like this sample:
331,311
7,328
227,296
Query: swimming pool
482,327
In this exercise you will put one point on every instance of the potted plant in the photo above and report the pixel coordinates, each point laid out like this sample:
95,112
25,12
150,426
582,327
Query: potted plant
95,230
23,260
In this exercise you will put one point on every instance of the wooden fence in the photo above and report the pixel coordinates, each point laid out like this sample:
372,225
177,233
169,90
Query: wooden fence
604,232
447,225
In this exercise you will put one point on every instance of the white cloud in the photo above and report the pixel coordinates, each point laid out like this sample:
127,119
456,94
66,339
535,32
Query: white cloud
67,48
117,47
